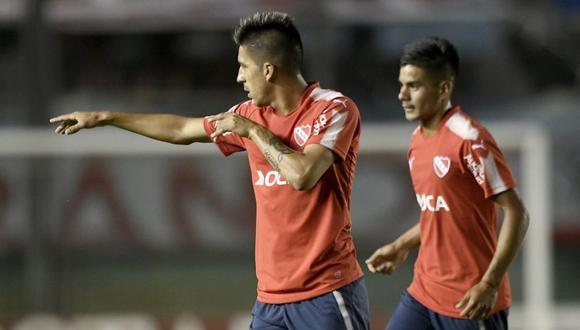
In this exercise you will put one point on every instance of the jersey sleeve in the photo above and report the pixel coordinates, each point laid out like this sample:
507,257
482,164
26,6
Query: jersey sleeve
228,143
485,161
337,126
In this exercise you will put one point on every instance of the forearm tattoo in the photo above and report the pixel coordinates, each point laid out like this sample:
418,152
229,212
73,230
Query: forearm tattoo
275,164
277,145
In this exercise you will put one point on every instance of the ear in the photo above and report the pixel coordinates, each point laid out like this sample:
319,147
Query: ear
270,71
445,88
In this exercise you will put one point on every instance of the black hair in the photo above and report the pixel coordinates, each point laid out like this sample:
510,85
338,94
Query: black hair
436,55
273,37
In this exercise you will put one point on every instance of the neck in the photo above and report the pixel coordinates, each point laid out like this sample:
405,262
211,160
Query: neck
287,94
431,124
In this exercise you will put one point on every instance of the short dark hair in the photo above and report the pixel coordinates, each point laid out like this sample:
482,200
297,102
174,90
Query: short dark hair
273,37
436,55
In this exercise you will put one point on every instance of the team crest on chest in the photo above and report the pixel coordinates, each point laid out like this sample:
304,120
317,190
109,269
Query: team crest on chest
441,165
301,134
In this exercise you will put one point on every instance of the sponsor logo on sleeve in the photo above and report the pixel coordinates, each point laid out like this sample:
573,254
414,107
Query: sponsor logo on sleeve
476,168
341,101
441,165
320,123
476,146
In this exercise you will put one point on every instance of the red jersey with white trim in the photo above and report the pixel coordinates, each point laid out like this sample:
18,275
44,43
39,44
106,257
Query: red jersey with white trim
455,171
304,246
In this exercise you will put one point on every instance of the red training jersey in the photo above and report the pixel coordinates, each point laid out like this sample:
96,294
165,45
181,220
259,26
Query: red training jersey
455,171
304,246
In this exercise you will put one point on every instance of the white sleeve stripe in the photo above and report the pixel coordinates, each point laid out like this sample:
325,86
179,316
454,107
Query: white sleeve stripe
324,94
492,176
343,311
336,125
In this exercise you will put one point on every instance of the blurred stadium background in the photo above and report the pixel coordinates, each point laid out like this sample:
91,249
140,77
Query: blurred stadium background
105,230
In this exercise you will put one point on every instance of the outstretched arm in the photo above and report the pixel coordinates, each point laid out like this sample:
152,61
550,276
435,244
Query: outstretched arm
164,127
480,299
301,169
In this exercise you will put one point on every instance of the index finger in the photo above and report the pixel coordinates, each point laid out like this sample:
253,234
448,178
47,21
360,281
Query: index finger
371,267
469,308
61,118
374,256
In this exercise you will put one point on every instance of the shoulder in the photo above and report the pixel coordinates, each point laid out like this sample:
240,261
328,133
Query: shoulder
471,135
320,95
464,126
324,95
326,99
246,108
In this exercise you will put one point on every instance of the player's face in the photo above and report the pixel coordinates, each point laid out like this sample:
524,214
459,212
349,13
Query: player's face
251,76
420,95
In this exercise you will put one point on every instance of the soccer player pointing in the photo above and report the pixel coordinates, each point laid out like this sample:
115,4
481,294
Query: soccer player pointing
302,143
459,176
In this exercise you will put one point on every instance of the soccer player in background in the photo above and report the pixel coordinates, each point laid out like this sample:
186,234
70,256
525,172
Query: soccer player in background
459,176
302,143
